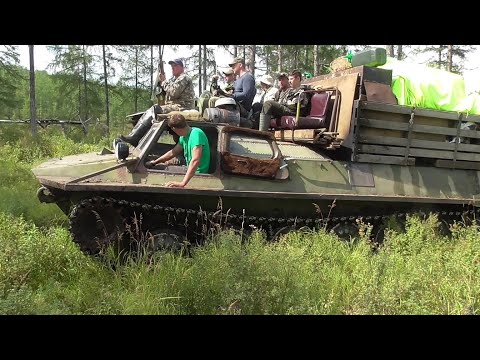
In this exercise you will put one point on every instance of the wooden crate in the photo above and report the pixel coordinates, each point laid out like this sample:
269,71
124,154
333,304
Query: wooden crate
400,132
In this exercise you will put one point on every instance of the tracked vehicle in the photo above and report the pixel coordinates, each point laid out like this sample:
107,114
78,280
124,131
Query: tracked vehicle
358,154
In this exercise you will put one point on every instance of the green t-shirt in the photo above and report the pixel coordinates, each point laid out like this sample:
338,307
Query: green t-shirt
196,137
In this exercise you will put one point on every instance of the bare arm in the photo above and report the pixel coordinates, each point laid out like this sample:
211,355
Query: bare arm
177,150
192,168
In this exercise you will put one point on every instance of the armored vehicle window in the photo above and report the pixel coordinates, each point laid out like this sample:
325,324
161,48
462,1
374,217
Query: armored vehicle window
251,155
166,138
249,146
167,141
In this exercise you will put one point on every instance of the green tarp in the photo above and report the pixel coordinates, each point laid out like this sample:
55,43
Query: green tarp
426,87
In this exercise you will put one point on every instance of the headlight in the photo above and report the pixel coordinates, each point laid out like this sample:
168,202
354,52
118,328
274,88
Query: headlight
115,141
121,150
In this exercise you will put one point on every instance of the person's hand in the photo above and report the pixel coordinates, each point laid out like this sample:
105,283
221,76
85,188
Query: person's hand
222,92
150,164
175,184
214,78
162,77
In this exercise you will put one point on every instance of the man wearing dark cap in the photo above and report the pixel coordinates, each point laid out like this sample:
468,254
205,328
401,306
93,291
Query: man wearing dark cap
283,85
294,96
179,89
229,78
180,96
244,88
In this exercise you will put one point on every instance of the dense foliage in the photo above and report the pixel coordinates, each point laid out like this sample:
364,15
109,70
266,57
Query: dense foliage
55,99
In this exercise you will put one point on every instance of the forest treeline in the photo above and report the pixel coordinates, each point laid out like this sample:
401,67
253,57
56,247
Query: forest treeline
80,83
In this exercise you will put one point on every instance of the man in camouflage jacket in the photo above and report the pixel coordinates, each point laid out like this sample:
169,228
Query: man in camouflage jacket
216,91
180,96
284,88
230,81
288,104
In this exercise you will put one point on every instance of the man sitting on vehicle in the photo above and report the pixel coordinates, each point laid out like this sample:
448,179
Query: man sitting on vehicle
243,93
284,86
244,87
193,143
180,96
276,109
269,92
216,91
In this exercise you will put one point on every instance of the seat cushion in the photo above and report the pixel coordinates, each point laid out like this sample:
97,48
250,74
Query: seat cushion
319,102
308,122
316,118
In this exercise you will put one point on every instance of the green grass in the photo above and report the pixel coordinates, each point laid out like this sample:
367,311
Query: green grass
20,153
42,272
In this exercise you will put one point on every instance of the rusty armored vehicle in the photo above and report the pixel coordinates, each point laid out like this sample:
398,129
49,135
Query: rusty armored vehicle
358,154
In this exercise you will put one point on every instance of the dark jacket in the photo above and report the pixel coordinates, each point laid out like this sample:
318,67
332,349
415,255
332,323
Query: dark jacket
245,90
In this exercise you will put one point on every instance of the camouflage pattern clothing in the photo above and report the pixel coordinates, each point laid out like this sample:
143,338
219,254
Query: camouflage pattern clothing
214,88
281,96
212,100
293,96
172,107
289,106
230,87
180,93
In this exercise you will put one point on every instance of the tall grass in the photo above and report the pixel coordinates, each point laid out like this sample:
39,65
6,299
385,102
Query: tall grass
416,272
42,272
20,152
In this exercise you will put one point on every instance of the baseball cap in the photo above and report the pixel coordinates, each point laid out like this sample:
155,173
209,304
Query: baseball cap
237,60
177,62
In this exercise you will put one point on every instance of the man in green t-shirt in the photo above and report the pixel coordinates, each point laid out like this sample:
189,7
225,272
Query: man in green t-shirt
193,143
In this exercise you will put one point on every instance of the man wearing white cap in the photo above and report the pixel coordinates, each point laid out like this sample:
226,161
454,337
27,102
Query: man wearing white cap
269,92
273,109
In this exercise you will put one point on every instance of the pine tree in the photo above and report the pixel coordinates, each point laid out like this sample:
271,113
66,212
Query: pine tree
10,77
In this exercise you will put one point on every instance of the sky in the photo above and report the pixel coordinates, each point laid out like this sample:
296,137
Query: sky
43,57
